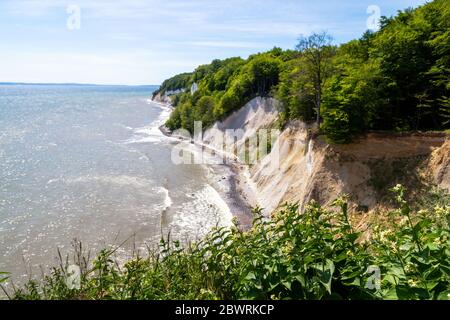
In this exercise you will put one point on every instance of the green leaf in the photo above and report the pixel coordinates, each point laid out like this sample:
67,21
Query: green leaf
445,295
403,293
407,246
397,272
432,246
391,279
250,276
4,276
300,278
391,295
287,284
355,282
325,273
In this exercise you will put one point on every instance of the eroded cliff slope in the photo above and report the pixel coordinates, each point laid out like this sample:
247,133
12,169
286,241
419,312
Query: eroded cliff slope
303,167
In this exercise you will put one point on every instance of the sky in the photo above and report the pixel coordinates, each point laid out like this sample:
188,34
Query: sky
143,42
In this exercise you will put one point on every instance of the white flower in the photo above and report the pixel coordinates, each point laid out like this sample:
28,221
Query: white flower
404,221
423,212
412,283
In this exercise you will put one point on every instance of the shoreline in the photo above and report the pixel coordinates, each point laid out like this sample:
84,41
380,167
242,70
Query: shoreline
240,198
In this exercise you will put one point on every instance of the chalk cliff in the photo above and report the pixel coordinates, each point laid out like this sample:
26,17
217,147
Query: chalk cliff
308,168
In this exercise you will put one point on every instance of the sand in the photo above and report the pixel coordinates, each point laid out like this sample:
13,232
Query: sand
240,196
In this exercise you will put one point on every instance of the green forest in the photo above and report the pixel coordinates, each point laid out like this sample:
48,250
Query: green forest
395,79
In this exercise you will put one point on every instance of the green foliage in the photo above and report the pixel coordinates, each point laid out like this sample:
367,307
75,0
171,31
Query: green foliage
181,81
395,79
317,53
203,110
414,64
228,84
444,110
417,266
296,92
175,120
313,255
263,71
3,276
348,106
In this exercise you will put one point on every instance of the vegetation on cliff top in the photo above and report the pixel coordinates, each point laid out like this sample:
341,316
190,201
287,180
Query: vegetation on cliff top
395,79
316,254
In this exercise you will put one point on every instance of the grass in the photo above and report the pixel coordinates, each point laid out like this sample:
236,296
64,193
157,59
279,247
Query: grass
316,254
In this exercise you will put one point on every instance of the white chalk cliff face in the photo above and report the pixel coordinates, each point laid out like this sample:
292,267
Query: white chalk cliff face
243,124
439,164
194,88
162,98
309,168
289,181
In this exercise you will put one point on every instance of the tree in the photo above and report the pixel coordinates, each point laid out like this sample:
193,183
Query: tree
264,71
348,106
295,91
178,82
317,53
236,96
203,111
174,122
397,78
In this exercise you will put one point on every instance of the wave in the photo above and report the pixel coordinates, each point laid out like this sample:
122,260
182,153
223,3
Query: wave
167,203
120,180
151,132
196,217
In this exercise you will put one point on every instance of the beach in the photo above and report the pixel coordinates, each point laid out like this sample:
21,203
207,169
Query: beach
238,193
90,163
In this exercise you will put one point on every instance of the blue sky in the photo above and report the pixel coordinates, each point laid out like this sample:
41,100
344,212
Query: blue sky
147,41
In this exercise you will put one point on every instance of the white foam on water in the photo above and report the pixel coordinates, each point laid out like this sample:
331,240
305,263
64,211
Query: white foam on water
196,217
120,180
167,203
151,132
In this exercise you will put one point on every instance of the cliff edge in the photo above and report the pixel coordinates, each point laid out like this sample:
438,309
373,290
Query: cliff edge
310,168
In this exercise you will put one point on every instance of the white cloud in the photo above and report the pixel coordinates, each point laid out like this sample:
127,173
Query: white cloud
225,44
172,36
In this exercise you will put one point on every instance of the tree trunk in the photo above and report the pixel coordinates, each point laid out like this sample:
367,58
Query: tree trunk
319,94
318,108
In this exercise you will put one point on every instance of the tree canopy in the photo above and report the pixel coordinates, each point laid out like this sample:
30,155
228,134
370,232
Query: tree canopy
395,79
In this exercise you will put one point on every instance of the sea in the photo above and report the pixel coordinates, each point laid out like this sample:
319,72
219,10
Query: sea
89,164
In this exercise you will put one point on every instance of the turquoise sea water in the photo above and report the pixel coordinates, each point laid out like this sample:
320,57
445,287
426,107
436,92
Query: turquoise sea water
89,162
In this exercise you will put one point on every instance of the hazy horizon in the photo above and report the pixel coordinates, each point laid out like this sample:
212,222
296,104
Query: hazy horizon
76,84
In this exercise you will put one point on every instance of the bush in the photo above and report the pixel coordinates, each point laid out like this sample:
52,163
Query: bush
203,111
314,255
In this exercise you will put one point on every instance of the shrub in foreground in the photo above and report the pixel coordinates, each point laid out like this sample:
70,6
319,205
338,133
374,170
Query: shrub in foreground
316,254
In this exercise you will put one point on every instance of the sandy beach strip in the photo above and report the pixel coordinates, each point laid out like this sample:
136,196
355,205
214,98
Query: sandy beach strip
240,197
